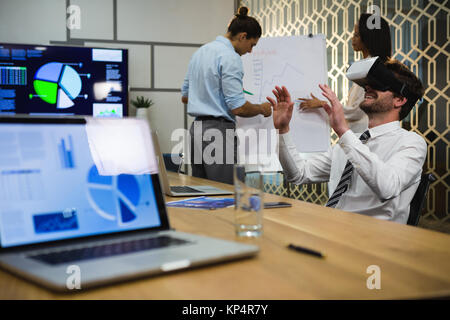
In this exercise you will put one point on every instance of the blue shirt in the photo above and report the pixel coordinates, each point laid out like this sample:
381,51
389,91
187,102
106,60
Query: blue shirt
213,83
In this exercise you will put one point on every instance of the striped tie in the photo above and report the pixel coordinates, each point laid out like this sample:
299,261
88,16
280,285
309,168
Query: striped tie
344,183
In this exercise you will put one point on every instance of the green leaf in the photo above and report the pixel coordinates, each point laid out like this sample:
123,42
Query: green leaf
142,102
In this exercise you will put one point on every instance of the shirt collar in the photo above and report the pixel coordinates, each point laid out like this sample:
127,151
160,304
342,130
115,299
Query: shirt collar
226,42
384,128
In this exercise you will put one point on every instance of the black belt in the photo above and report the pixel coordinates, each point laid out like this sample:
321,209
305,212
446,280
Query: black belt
204,118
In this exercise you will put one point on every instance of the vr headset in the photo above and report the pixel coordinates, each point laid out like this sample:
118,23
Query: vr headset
373,73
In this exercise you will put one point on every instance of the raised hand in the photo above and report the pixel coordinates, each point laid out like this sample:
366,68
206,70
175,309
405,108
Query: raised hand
282,109
335,111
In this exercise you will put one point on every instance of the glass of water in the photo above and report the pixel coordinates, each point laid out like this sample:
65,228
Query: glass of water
248,202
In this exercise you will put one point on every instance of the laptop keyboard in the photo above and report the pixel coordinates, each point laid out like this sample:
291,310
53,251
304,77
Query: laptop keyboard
108,250
184,189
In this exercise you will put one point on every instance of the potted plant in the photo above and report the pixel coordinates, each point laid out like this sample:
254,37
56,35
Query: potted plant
142,104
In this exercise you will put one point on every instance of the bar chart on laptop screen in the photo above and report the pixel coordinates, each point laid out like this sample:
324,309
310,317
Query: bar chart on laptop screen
66,152
55,221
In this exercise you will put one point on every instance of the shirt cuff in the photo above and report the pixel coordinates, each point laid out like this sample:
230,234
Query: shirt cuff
347,140
286,139
234,103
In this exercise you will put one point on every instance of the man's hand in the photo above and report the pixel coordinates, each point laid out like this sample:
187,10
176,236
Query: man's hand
248,110
282,109
312,103
335,111
266,109
184,100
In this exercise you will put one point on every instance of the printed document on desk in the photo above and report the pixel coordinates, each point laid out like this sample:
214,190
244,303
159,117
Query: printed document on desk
202,203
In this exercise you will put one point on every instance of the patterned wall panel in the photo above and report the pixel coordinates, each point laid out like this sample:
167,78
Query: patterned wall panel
420,32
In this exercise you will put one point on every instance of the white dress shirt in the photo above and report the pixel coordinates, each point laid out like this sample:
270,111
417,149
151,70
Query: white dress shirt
387,170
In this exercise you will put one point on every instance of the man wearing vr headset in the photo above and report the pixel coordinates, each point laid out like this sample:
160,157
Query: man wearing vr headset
375,173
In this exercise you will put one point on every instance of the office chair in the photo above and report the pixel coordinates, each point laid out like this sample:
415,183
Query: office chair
419,198
173,162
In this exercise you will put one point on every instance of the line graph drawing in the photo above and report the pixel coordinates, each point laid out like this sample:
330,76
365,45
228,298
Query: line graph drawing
289,75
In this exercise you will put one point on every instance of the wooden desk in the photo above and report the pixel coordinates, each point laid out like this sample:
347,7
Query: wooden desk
414,262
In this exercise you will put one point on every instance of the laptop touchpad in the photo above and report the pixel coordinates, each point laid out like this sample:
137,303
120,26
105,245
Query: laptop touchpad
155,259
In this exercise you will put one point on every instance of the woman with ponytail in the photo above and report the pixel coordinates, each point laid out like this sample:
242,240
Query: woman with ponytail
371,43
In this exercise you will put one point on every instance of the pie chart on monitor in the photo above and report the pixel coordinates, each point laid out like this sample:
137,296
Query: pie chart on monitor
114,198
58,84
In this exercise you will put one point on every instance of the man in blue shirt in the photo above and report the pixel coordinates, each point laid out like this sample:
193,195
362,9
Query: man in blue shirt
213,91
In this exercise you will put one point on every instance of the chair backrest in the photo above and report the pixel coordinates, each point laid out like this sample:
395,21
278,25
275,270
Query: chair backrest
173,162
419,198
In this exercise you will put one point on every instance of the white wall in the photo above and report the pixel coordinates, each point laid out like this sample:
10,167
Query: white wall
187,21
34,22
97,19
170,29
171,65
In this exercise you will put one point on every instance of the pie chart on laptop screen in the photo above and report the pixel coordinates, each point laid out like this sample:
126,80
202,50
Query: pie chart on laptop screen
58,84
114,198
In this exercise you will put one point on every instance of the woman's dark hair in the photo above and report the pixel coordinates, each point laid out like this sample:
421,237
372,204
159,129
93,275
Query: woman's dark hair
243,23
376,40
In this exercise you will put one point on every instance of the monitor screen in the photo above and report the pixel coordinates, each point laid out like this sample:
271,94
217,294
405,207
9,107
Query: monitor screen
39,80
50,188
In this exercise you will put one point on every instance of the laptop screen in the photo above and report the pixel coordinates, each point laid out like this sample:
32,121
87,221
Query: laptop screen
50,188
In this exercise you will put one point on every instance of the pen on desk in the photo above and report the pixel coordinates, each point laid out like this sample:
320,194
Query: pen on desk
248,92
305,250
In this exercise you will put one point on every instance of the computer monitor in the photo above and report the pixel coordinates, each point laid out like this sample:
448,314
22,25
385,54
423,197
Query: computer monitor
65,80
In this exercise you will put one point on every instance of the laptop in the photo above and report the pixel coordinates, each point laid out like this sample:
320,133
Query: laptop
181,191
59,215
